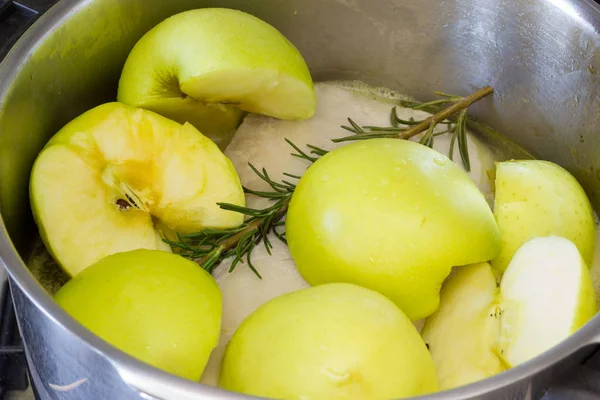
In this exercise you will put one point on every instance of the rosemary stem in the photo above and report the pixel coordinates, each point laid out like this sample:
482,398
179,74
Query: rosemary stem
254,225
446,112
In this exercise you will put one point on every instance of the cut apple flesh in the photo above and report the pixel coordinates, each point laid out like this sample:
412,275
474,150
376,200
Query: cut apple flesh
216,56
547,294
460,334
102,182
219,121
265,92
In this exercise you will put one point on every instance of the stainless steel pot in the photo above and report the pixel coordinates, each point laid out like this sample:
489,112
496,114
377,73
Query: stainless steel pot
541,56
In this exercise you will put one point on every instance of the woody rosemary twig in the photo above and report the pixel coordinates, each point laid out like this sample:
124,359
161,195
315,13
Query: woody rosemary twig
210,246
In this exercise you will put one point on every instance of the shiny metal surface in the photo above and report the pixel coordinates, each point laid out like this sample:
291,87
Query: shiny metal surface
541,56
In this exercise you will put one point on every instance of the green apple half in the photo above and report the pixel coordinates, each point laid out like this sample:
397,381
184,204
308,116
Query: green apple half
539,198
109,178
329,342
481,328
205,66
391,215
155,306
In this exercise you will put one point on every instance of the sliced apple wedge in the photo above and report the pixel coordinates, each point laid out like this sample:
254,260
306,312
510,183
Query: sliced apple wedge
481,329
460,334
108,177
547,294
538,198
206,65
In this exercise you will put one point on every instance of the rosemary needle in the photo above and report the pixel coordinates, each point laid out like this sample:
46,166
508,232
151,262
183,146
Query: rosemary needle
210,246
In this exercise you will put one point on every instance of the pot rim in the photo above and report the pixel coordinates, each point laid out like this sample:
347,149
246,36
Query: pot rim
126,365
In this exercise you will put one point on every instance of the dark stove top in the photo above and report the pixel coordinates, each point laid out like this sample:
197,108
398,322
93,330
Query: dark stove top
580,383
16,17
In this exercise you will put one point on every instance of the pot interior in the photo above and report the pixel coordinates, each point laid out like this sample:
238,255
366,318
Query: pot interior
541,58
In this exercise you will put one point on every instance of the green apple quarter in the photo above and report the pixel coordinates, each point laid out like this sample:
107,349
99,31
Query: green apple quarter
157,307
462,333
117,176
391,215
483,328
548,294
207,66
539,198
328,342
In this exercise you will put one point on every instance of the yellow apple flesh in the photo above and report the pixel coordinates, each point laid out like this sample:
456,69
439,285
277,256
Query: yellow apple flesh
104,180
481,329
461,333
205,66
158,307
390,215
538,198
333,341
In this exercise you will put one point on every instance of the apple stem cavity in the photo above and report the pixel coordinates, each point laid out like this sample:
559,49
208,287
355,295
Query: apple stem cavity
210,246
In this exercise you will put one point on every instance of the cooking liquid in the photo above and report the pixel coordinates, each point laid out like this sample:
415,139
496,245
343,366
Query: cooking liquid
260,140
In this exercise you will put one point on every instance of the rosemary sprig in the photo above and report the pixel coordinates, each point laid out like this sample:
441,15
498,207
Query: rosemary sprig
457,129
210,246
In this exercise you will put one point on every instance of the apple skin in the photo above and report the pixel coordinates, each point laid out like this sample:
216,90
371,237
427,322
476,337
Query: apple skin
461,334
390,215
173,173
206,65
539,198
333,341
158,307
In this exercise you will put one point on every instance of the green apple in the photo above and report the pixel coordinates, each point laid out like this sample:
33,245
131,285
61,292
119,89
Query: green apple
462,333
547,294
539,198
158,307
108,178
333,341
481,329
390,215
205,66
